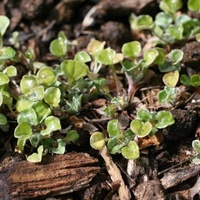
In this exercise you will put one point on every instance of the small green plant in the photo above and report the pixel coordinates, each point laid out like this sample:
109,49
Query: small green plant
196,147
193,80
168,26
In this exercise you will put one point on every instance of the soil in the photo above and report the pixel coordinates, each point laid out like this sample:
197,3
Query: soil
164,169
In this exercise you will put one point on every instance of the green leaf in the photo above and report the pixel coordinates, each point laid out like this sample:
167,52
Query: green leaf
58,47
163,20
72,136
10,71
131,151
198,37
113,128
36,157
176,31
7,99
196,160
196,146
95,46
150,56
35,139
194,5
115,145
60,148
46,76
144,22
4,23
42,110
74,70
1,98
3,119
162,96
164,119
143,114
131,49
170,6
27,83
106,56
52,124
36,93
185,80
52,96
171,78
28,116
97,140
6,53
175,56
160,59
195,79
23,103
82,56
23,129
139,128
4,79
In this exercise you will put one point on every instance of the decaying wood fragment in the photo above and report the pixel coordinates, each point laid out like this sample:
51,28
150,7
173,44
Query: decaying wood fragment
56,175
179,175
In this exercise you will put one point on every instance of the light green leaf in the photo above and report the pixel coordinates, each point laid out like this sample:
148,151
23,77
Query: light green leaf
95,46
176,55
150,56
143,114
171,78
195,79
52,124
27,83
4,23
36,93
113,128
106,56
131,49
136,126
28,116
131,151
196,146
61,147
185,80
82,56
3,119
164,119
74,70
46,76
6,53
171,6
23,129
1,98
115,145
194,5
52,96
97,140
163,20
36,157
23,103
72,136
144,22
58,47
4,79
10,71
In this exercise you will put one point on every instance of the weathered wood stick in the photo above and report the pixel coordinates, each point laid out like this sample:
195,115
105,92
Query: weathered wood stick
56,175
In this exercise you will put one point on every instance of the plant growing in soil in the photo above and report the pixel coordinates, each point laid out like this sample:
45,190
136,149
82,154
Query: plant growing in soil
168,26
196,147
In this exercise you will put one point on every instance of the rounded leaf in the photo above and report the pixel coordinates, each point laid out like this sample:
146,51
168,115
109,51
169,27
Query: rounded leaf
74,70
23,129
27,83
136,126
106,56
58,47
10,71
171,78
115,145
150,56
82,56
195,80
4,79
28,116
160,59
36,93
144,22
131,151
131,49
52,124
72,136
163,20
162,96
185,80
175,56
52,96
170,6
143,114
36,157
113,128
196,146
164,119
3,119
4,23
23,103
95,46
146,129
194,5
60,148
46,76
6,53
97,140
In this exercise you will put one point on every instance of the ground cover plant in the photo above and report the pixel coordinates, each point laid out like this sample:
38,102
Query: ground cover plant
134,107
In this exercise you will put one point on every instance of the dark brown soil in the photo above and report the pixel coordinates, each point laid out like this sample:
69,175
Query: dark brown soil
163,171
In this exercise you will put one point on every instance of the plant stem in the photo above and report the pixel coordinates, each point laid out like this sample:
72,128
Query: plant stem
115,79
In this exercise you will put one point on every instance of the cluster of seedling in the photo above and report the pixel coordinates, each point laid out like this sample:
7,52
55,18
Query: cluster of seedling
50,94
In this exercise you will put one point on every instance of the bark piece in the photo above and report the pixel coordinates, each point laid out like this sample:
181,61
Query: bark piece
56,175
179,175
